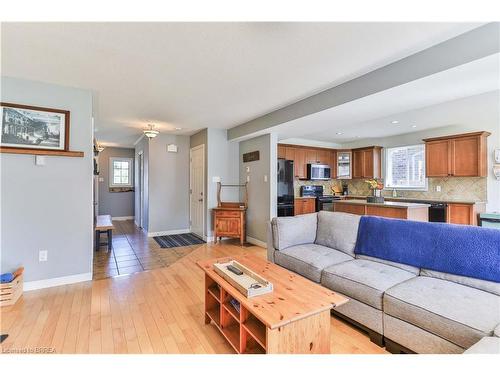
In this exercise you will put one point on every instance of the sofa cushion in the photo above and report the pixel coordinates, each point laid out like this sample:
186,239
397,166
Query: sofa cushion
338,230
363,280
487,345
294,230
413,270
309,260
487,286
457,313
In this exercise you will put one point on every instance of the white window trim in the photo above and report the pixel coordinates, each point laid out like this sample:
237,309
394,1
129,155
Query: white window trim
130,172
391,188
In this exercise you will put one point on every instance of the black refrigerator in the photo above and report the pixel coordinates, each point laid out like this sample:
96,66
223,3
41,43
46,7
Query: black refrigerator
285,187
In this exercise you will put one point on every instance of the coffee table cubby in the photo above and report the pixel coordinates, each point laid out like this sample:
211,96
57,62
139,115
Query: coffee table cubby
244,332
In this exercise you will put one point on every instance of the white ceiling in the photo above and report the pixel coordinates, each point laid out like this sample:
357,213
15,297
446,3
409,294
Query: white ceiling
197,75
372,116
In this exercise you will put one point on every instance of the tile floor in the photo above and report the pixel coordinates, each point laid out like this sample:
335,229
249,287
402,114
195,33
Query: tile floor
133,251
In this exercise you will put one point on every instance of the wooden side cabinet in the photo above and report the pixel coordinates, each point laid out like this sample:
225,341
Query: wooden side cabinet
367,162
230,222
304,206
460,155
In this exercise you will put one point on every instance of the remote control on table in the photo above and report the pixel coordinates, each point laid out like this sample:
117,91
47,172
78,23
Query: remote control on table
234,270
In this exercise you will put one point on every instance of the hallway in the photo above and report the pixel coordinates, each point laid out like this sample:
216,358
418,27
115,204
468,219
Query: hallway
133,252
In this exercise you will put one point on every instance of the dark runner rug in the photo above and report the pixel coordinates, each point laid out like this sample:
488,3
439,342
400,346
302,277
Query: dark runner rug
178,240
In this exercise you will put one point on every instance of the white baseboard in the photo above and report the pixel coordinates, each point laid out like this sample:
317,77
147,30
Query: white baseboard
168,232
121,218
208,238
47,283
255,241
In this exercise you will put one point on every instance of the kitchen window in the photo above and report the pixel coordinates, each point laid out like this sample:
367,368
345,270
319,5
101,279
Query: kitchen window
405,168
120,172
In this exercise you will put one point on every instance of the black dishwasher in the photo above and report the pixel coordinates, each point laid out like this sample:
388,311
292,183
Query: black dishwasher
437,212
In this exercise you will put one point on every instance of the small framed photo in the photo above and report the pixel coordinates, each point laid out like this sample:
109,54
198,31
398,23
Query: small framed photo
29,127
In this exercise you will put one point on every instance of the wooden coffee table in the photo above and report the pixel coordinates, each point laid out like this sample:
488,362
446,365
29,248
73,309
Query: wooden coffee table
294,318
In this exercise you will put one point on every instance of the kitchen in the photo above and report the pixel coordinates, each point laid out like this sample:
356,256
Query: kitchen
446,174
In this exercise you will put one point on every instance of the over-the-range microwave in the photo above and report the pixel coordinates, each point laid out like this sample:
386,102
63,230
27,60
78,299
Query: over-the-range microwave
318,172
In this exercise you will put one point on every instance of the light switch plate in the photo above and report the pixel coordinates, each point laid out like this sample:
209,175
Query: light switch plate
248,178
39,160
215,179
247,169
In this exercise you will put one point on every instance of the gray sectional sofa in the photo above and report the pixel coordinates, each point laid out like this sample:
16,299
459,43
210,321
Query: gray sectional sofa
404,307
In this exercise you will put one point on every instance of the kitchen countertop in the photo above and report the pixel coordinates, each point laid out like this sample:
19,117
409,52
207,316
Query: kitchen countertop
417,200
385,204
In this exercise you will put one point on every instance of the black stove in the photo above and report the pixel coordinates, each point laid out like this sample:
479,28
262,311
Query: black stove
323,202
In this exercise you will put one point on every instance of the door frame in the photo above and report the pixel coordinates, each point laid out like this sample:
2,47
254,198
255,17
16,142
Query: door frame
191,150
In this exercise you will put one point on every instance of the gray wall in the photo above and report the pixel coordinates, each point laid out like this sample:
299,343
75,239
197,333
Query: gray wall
114,204
168,184
261,194
222,162
142,146
48,207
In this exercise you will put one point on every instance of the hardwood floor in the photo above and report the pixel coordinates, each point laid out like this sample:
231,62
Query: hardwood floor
155,311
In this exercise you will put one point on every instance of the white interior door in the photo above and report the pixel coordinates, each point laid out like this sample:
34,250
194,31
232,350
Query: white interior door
197,187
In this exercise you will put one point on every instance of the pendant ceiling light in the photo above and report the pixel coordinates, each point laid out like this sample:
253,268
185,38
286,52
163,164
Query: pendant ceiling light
151,132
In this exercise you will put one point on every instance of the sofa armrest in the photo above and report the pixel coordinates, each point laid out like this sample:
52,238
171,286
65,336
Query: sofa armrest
270,246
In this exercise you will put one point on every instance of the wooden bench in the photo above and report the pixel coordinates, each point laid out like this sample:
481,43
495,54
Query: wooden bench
103,224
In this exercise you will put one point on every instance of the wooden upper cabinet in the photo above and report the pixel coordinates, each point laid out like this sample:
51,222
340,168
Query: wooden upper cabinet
289,153
437,157
311,156
323,157
300,163
465,160
461,155
333,163
357,164
281,152
367,162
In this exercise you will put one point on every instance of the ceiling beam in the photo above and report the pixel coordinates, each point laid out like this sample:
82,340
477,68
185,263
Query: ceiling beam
470,46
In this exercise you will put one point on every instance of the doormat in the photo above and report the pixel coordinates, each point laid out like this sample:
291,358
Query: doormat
178,240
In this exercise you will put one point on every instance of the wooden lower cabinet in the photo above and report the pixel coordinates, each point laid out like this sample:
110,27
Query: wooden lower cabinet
416,213
461,213
304,206
230,222
350,208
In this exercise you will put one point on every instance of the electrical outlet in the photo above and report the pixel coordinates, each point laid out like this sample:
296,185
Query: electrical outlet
248,178
42,255
438,188
265,178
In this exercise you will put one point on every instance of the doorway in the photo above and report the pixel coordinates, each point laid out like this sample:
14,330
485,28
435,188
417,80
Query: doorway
197,190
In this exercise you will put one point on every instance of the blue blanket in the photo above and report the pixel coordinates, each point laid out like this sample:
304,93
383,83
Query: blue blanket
457,249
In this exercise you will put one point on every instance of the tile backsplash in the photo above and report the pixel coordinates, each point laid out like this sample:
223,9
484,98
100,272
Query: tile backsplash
456,188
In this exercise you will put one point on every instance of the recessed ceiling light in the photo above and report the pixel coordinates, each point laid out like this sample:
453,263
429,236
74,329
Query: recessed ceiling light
339,133
178,128
414,126
395,122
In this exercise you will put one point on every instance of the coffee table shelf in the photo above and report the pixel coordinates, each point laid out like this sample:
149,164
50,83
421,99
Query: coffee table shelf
294,318
256,329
